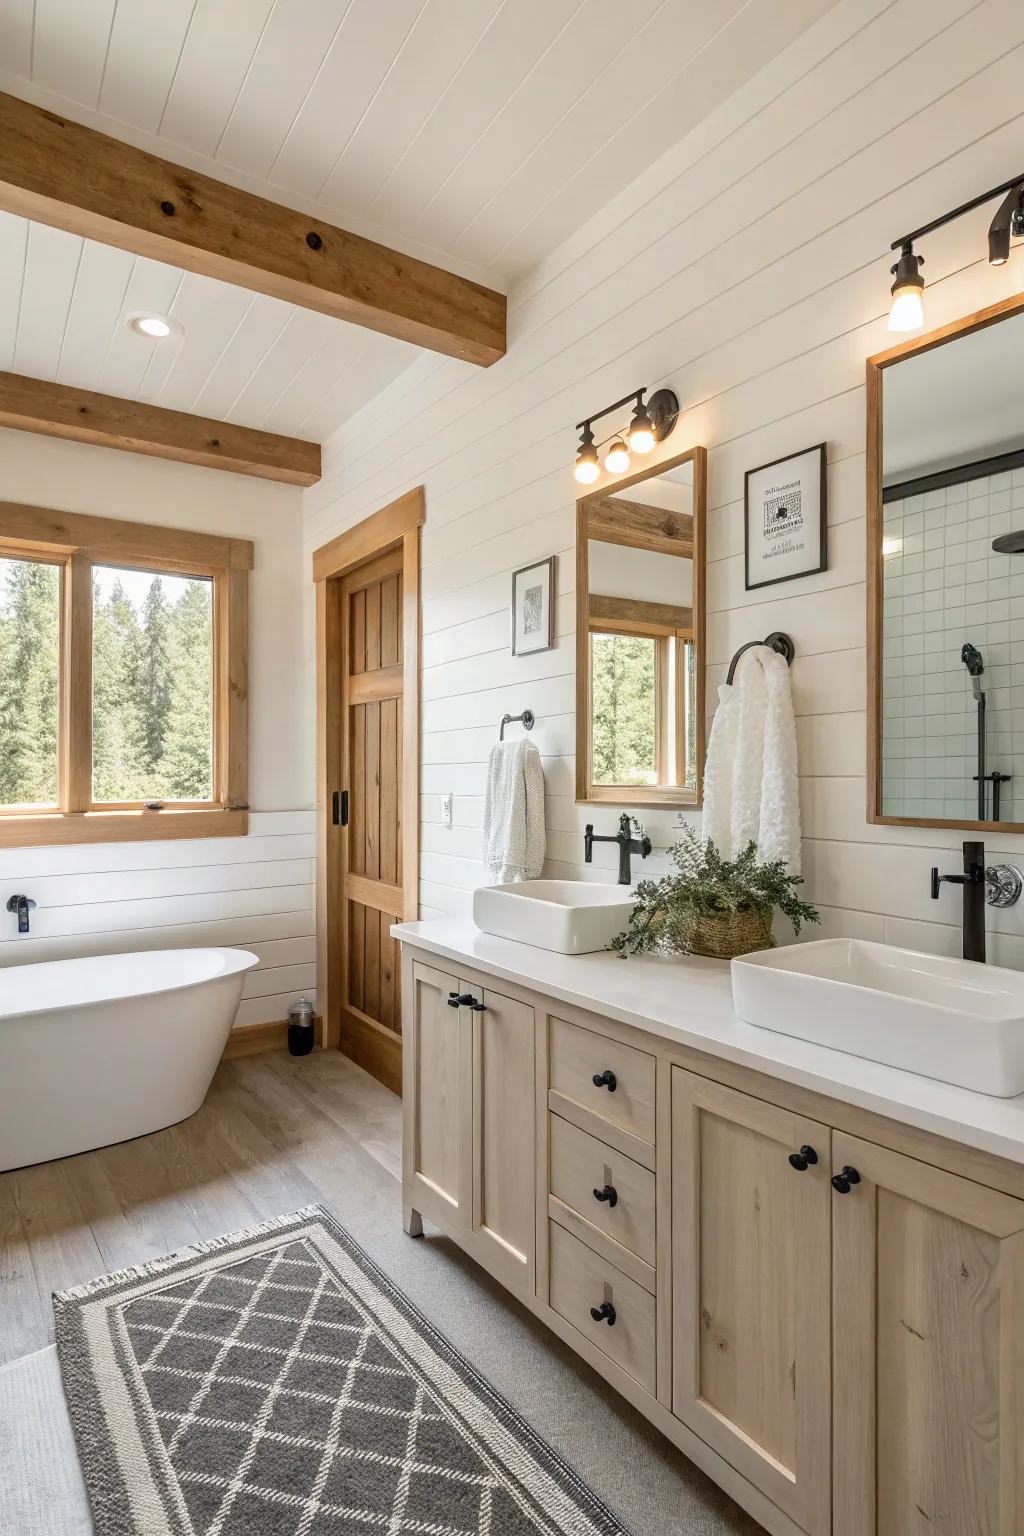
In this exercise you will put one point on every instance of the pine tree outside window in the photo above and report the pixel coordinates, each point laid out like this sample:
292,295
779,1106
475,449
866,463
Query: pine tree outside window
123,680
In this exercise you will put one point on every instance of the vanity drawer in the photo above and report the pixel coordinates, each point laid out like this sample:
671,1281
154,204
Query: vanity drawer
581,1279
578,1056
580,1164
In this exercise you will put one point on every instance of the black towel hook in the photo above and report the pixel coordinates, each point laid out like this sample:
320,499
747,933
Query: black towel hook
777,640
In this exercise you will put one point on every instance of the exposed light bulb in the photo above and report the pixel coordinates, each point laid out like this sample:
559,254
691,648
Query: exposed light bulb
616,460
587,468
907,311
641,432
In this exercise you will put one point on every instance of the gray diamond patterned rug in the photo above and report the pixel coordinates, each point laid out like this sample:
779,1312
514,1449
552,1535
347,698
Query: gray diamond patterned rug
275,1383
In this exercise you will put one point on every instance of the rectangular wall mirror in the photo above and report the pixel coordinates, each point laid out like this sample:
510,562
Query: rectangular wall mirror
640,637
946,576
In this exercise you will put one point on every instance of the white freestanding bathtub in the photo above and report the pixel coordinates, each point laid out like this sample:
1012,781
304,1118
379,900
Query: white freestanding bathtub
99,1050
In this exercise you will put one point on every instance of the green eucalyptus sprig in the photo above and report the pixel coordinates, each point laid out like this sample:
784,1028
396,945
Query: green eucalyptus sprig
703,884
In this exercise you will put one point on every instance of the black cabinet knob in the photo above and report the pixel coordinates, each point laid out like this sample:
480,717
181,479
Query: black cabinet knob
609,1194
607,1080
803,1159
605,1313
453,999
464,1000
476,1006
843,1182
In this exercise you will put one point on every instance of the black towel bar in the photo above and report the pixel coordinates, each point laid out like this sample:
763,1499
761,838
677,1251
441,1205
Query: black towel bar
777,640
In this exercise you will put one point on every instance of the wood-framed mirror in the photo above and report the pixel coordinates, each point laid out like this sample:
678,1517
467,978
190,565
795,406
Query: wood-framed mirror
945,576
640,649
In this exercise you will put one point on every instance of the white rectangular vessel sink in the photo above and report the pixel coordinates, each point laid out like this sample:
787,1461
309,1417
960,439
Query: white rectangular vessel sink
954,1020
571,917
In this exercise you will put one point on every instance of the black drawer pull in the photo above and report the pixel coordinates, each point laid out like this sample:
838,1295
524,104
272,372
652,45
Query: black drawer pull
607,1080
843,1182
609,1194
464,1000
803,1159
605,1313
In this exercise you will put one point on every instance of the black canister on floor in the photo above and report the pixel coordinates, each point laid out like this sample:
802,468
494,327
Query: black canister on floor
301,1027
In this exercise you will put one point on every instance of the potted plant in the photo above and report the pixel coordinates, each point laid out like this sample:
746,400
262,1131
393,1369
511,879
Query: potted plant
711,905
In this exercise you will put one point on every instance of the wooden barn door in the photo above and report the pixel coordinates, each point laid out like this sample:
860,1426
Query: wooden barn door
373,895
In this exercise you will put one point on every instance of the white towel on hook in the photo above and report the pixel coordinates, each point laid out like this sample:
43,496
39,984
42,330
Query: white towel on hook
751,789
514,838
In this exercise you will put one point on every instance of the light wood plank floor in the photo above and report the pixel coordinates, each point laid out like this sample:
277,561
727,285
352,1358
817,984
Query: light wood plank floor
276,1133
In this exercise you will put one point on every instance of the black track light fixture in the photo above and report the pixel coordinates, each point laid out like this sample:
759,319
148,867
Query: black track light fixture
651,423
1009,220
907,312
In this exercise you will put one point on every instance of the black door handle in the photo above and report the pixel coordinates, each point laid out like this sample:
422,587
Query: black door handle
605,1313
803,1159
339,807
609,1194
843,1182
464,1000
607,1080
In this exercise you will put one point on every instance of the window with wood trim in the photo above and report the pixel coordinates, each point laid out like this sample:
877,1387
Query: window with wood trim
641,689
123,680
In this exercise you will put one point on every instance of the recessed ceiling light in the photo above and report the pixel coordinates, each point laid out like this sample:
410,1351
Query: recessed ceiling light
155,327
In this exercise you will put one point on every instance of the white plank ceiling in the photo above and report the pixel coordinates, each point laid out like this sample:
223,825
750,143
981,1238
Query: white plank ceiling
475,133
243,357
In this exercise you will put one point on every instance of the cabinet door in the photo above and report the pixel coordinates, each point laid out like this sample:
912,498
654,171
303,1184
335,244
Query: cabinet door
928,1350
437,1087
751,1259
504,1137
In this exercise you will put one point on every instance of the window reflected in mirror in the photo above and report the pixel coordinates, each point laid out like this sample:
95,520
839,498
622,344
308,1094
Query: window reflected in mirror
947,630
640,718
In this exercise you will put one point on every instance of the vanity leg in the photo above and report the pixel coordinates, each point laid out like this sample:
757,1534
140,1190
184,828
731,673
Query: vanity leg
412,1221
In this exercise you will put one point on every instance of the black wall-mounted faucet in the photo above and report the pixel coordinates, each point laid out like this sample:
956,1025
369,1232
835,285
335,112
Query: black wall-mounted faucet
973,882
23,905
627,844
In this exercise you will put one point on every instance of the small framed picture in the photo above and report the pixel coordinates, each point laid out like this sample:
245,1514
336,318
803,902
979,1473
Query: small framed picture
533,608
785,513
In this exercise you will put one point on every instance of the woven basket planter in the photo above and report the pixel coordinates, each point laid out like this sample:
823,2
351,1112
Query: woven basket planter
721,935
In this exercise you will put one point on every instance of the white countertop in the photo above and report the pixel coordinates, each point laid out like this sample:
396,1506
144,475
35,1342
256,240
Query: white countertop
689,1000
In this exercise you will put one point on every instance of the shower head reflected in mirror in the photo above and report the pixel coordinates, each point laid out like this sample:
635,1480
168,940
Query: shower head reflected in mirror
973,661
1009,543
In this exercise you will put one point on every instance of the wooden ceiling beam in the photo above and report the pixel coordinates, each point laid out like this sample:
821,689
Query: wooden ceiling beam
614,520
56,410
58,172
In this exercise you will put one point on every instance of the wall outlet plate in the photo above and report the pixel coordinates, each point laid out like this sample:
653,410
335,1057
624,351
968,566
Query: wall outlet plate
446,810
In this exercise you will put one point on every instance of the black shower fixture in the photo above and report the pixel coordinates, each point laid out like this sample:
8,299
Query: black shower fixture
1010,543
651,423
907,312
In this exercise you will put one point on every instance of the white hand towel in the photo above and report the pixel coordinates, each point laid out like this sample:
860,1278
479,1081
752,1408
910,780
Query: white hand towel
751,790
514,813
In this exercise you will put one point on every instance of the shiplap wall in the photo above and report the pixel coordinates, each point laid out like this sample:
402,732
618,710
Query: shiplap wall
255,891
748,268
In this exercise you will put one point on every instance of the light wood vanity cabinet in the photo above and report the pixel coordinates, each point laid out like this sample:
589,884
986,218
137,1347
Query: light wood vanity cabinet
470,1141
844,1361
751,1333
